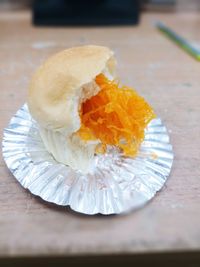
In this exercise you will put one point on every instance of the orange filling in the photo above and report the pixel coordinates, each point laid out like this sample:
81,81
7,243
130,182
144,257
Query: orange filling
116,115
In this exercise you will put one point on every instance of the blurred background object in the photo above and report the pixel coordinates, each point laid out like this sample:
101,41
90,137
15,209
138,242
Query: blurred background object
170,5
159,5
95,12
14,5
179,40
87,12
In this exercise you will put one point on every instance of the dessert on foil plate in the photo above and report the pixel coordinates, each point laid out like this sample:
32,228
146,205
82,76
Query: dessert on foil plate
84,140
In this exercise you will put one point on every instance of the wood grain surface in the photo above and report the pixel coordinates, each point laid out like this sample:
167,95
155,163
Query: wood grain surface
169,79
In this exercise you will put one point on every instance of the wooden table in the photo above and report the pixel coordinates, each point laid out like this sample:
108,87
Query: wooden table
169,79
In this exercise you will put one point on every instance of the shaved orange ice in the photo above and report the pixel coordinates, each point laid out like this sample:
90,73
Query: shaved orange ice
116,116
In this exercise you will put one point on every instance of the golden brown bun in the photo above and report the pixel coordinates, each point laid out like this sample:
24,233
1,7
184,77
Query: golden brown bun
63,81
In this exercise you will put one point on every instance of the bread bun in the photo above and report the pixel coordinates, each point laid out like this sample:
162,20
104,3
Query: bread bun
56,92
65,80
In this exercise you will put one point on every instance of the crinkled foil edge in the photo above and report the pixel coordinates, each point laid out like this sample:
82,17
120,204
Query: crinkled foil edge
115,185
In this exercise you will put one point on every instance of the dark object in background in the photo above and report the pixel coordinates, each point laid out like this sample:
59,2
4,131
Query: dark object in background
85,12
159,5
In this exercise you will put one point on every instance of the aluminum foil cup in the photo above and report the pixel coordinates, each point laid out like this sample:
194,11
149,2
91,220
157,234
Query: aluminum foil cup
115,184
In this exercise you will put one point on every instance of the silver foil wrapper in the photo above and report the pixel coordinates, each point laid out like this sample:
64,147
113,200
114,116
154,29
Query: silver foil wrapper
115,184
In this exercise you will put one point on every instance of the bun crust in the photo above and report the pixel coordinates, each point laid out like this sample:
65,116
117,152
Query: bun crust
56,88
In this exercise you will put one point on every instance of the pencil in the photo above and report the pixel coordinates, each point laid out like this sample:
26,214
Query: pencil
180,41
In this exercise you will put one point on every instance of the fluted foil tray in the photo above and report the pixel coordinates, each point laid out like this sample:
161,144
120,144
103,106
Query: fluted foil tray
115,184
